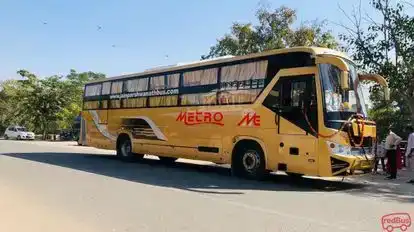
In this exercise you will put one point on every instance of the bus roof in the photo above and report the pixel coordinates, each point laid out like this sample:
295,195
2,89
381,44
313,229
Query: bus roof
170,68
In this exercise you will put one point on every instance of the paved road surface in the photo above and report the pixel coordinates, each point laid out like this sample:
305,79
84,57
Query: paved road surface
62,187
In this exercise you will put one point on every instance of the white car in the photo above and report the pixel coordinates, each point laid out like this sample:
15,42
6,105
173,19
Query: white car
19,133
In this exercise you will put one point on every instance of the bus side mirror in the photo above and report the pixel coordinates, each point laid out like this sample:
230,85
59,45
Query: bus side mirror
378,79
345,80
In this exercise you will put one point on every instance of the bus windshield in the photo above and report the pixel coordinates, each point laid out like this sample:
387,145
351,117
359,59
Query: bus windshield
339,105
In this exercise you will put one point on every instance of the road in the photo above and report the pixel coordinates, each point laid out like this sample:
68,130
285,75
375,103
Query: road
59,186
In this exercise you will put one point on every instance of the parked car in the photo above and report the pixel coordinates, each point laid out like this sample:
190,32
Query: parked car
19,133
67,135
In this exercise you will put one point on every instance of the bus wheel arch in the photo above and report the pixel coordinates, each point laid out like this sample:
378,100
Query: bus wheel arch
248,159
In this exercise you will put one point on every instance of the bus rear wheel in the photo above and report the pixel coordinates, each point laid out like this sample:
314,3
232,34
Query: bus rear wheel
124,150
248,161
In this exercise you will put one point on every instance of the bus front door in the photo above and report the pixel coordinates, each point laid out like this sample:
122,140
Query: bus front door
293,100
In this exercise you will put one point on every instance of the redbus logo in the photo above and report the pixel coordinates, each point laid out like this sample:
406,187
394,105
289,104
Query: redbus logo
195,118
393,221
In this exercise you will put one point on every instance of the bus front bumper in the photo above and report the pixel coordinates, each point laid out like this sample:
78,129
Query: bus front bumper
349,165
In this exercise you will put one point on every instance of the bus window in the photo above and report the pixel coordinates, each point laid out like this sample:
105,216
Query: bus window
157,83
93,90
116,87
162,85
115,104
104,104
199,99
200,77
136,85
163,101
238,96
292,97
134,102
173,81
242,83
106,88
91,105
242,72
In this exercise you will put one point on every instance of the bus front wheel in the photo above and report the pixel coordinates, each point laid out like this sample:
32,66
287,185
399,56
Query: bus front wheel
124,149
249,161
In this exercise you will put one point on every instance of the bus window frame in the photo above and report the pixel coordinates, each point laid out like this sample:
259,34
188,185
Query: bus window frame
292,72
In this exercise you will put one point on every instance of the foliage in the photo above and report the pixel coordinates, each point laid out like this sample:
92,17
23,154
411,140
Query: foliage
274,31
44,105
8,104
386,47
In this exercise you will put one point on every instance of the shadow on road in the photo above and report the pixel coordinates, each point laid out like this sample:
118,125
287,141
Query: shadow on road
193,177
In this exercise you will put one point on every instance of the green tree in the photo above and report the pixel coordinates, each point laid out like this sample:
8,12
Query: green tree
274,30
43,104
386,47
41,100
9,104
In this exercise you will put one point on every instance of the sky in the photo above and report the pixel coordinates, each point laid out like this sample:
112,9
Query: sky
49,37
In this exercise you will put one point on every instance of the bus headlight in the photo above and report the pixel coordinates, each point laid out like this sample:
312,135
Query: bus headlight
339,149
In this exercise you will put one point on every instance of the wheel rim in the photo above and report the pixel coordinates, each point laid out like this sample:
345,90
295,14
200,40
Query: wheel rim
126,148
251,161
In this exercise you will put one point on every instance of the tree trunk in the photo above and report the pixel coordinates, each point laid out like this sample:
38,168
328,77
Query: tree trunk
44,130
411,106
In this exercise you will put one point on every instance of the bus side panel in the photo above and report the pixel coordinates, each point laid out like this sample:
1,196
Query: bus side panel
161,131
204,133
94,137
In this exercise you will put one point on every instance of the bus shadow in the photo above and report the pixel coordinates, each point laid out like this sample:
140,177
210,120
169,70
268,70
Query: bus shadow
185,176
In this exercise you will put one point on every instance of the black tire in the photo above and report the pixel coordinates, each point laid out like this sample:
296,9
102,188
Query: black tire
124,150
19,138
249,162
6,137
167,160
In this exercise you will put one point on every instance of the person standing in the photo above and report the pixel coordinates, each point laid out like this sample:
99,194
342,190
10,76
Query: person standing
391,143
379,156
409,151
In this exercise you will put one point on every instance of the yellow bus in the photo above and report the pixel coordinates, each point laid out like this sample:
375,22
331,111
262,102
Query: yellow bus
298,110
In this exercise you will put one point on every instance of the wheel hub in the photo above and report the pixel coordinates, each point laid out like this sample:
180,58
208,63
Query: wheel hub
250,160
126,149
